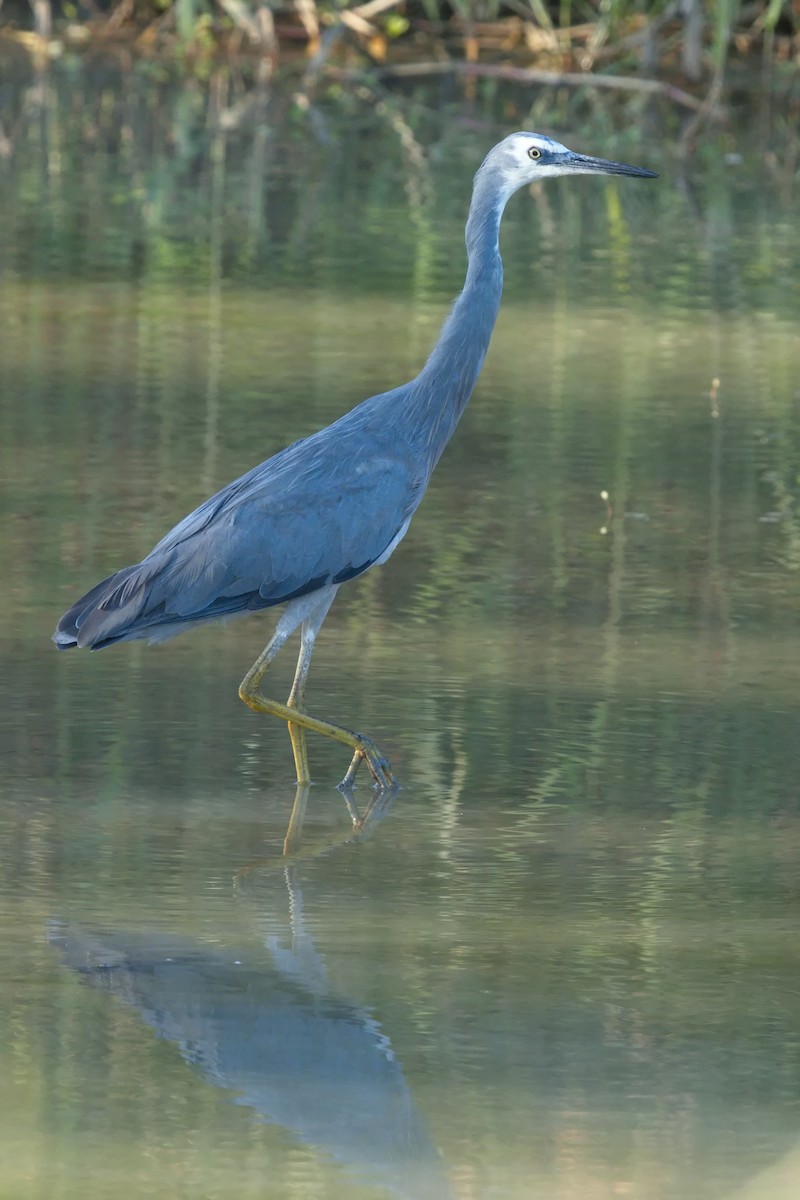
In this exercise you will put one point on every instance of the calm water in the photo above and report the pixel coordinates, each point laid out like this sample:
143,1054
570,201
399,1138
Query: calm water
565,962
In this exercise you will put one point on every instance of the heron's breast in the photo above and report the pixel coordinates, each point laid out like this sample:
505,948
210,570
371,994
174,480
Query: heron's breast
393,544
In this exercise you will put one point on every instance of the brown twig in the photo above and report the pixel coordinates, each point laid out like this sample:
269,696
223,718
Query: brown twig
118,16
373,7
528,75
243,19
704,112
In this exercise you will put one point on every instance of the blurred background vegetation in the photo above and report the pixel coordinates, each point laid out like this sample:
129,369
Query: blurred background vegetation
709,59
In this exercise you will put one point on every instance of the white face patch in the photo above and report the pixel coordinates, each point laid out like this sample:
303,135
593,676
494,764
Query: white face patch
517,160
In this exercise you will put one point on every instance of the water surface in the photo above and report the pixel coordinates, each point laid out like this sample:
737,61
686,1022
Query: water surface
565,962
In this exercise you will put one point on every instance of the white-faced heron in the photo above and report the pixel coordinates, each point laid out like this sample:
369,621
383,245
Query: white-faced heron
326,509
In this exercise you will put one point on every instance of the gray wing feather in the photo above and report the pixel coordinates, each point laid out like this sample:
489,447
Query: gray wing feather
321,511
275,545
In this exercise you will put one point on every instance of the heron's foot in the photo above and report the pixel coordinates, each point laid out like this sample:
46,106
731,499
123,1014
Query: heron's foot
299,721
377,763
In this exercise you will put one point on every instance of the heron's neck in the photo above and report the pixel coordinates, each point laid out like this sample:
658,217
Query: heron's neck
444,385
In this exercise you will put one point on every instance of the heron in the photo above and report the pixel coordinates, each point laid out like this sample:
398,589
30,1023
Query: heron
331,506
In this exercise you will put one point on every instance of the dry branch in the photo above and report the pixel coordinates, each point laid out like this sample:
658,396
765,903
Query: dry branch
622,83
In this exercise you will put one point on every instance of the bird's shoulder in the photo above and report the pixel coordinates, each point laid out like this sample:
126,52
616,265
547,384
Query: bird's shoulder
356,461
319,512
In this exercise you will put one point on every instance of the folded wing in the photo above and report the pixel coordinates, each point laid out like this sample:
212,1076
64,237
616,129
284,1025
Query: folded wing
313,515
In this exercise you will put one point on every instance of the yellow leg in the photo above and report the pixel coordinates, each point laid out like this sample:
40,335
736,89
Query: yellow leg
364,749
300,751
350,773
296,732
294,834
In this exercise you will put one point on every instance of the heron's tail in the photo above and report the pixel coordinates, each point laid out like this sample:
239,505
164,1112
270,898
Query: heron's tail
108,613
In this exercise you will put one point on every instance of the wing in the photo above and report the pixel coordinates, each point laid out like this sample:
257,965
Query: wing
321,511
273,539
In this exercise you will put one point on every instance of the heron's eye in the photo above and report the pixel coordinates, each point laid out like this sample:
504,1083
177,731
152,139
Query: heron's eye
534,152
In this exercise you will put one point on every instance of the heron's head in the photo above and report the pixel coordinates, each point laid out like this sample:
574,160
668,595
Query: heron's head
526,157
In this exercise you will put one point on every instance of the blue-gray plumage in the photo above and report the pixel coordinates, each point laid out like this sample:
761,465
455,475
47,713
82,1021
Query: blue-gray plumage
331,506
269,1027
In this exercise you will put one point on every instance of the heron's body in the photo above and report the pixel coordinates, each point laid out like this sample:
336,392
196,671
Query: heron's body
262,541
327,508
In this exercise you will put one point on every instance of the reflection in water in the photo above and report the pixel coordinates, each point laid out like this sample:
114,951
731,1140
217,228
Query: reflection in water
296,845
273,1030
778,1182
583,1014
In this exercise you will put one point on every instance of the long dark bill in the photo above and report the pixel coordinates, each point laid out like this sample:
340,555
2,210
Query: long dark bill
585,163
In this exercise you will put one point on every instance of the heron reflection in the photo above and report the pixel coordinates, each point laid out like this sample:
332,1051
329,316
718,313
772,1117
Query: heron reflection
262,1020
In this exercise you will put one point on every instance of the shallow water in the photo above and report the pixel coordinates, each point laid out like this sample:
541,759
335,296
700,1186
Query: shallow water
564,963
